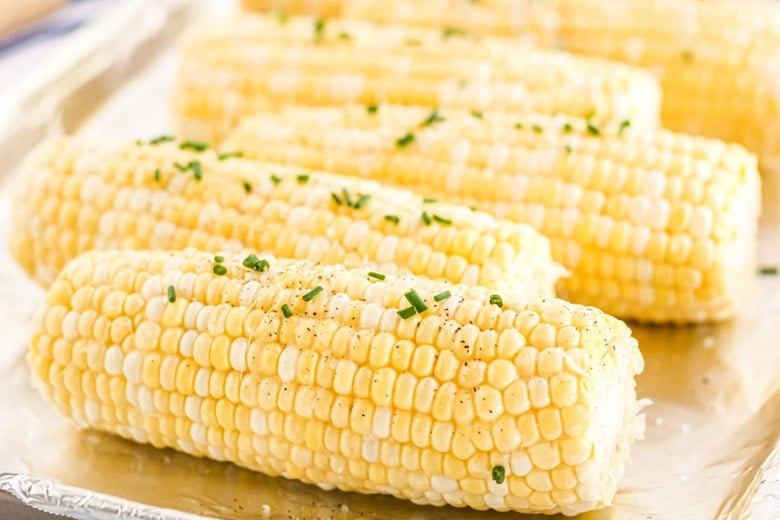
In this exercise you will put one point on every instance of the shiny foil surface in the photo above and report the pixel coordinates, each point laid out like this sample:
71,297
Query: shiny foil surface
712,447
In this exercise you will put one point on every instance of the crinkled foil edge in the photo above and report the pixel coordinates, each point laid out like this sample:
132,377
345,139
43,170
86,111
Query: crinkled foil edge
81,504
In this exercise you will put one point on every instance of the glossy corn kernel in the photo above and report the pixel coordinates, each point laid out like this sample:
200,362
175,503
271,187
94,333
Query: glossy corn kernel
253,63
78,196
652,226
483,408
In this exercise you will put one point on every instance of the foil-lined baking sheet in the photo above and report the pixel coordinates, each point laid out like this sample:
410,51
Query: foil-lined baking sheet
712,447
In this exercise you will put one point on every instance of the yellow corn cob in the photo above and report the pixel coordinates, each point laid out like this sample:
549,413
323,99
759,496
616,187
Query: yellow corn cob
79,196
251,64
715,59
653,226
526,406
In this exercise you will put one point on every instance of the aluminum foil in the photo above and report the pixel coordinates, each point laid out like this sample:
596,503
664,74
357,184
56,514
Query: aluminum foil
712,448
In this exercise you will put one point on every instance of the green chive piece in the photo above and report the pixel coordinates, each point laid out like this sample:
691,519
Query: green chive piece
344,35
593,129
624,126
282,17
157,175
392,218
335,198
477,114
197,170
442,220
518,126
406,140
538,129
372,109
286,310
428,200
407,313
567,127
138,142
162,139
432,118
303,178
769,270
171,293
309,296
319,29
473,208
276,179
416,301
687,56
426,218
449,32
442,296
247,187
182,167
496,299
498,474
378,276
193,145
347,198
220,270
568,148
362,201
219,258
255,263
229,155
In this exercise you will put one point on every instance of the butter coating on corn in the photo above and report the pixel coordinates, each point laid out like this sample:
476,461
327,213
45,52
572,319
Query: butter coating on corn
78,195
655,226
238,67
528,406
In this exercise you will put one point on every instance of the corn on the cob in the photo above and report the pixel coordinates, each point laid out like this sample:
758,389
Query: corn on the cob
653,226
79,196
715,59
232,69
524,405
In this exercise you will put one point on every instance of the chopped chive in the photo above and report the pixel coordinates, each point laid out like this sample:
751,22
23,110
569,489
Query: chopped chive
161,139
407,312
477,114
473,208
181,167
282,17
496,299
255,263
171,293
344,35
449,32
538,129
414,42
276,179
309,296
442,220
319,29
138,142
372,109
406,140
193,145
428,200
624,126
335,198
568,148
157,175
197,170
262,265
392,218
362,201
303,178
416,301
593,129
518,126
442,296
219,258
687,56
347,198
220,270
769,270
378,276
247,187
567,127
432,118
286,310
426,218
498,474
229,155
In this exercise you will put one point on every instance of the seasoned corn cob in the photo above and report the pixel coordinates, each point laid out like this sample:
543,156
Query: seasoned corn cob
653,226
715,59
475,400
79,196
250,64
